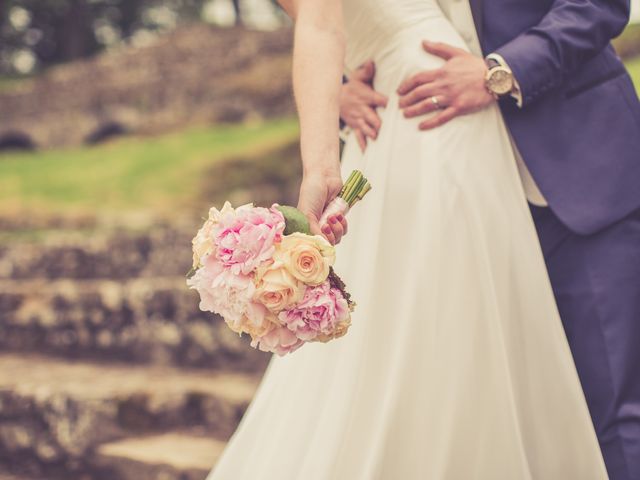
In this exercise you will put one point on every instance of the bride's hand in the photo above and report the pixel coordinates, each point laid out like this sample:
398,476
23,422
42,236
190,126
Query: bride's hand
316,191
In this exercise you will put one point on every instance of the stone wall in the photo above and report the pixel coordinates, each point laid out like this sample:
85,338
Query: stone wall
194,75
115,296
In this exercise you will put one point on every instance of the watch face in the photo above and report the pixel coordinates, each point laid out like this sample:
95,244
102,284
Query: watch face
500,81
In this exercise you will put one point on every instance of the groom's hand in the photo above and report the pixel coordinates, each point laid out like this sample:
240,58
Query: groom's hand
358,103
457,88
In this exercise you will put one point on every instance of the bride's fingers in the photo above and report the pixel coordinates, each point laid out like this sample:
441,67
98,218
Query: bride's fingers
328,234
314,225
345,225
425,106
336,228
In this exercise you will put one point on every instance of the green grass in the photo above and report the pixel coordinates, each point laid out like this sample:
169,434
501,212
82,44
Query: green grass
155,175
9,83
634,69
628,44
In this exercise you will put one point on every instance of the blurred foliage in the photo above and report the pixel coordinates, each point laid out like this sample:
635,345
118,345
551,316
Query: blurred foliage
634,69
156,175
628,44
38,33
55,31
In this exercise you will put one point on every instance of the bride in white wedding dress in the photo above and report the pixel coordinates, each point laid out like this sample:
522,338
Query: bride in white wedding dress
456,366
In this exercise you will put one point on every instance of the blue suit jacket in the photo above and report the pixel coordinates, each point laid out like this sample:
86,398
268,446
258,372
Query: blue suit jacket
579,128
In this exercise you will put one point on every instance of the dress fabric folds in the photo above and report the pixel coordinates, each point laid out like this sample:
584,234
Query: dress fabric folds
456,366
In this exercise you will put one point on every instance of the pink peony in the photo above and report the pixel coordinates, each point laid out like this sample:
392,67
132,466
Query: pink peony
222,292
203,241
279,340
246,237
322,312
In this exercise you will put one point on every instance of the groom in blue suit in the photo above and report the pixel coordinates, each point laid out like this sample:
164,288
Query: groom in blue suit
574,115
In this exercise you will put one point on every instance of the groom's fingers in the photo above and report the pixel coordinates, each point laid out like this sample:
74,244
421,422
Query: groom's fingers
367,129
362,140
365,72
440,119
417,95
427,76
424,107
441,50
377,99
373,119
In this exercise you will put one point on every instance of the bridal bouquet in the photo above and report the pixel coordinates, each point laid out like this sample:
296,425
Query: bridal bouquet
263,271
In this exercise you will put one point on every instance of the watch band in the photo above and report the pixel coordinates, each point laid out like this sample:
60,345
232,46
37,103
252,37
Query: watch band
495,60
492,62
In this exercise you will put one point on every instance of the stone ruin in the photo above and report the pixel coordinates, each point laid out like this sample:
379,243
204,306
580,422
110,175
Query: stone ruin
197,74
108,369
106,360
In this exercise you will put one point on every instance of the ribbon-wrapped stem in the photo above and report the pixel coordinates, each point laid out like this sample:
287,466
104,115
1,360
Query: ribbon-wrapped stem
353,190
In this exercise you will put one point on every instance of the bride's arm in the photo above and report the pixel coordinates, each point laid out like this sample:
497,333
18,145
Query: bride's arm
318,59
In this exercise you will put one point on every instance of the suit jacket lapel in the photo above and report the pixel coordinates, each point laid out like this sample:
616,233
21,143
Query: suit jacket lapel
477,11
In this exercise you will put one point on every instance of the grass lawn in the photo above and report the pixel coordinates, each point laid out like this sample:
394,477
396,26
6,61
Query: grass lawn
159,175
634,69
152,174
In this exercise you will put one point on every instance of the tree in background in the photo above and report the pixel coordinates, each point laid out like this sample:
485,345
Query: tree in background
236,9
39,33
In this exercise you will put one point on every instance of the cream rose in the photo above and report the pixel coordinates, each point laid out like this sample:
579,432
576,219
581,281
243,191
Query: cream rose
306,257
276,288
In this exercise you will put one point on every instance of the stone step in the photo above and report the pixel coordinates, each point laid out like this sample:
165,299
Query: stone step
54,414
169,456
11,476
149,320
109,254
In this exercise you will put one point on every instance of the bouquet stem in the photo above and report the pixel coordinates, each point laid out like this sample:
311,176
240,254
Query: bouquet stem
354,190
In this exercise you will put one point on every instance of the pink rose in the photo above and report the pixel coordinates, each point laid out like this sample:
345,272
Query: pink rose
247,236
323,312
279,340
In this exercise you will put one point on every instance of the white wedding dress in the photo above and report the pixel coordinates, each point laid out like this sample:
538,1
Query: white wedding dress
456,366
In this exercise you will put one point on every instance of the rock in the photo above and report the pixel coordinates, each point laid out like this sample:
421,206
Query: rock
16,141
55,414
174,456
113,392
196,74
101,254
146,320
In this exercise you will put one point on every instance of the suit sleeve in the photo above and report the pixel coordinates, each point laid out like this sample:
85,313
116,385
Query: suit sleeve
570,34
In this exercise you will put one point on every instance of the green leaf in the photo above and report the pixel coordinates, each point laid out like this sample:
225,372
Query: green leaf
296,221
191,272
